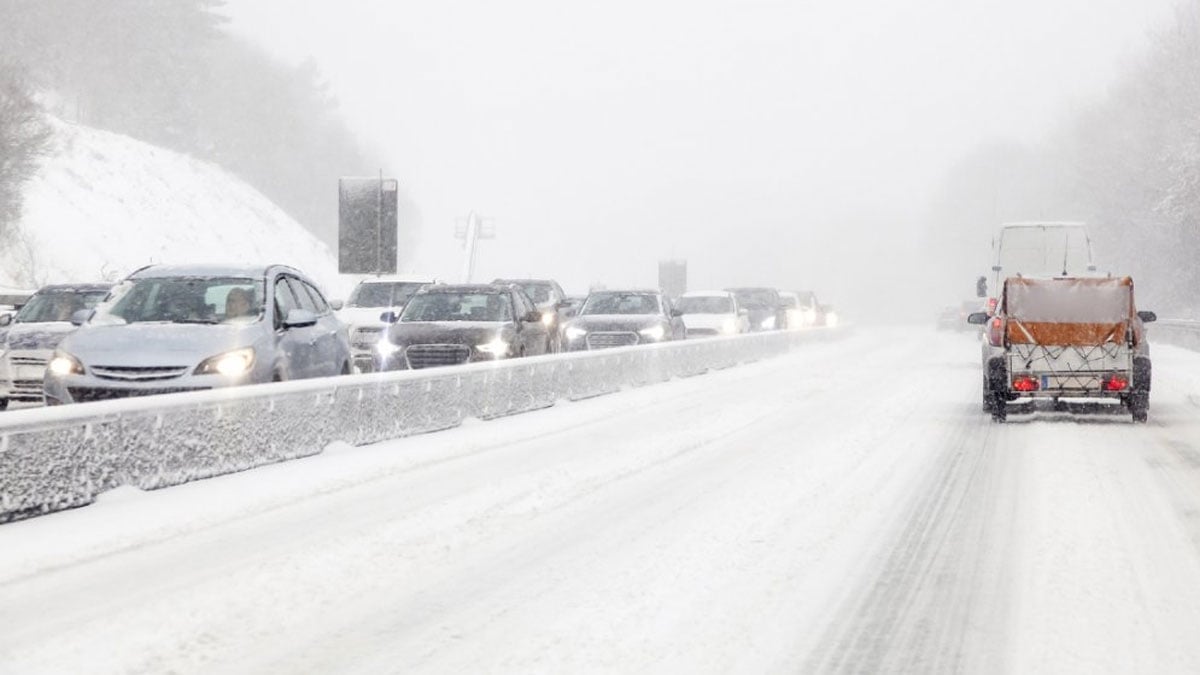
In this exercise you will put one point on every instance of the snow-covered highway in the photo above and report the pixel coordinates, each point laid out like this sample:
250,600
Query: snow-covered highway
844,508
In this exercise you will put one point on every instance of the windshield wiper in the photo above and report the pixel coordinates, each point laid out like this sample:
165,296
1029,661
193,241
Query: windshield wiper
210,322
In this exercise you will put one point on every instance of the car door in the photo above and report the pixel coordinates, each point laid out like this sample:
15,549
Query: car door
297,346
329,356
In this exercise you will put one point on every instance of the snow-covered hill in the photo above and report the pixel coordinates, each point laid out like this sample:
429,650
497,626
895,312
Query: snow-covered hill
103,204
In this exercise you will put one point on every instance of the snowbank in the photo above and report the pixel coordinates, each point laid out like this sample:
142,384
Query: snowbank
102,205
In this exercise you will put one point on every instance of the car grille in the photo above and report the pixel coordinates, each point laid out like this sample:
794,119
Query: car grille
702,332
26,389
27,361
366,338
606,340
139,373
429,356
86,394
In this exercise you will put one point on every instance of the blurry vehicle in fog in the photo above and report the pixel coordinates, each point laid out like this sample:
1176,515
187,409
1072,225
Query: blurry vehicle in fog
31,334
363,312
623,318
454,324
764,307
712,313
793,310
549,299
811,311
182,328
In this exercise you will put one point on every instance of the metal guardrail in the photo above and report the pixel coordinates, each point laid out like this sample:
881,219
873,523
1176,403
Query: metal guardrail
1179,332
58,458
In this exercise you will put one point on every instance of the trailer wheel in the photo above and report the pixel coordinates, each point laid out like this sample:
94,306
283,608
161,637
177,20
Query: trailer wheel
1139,406
988,404
1000,412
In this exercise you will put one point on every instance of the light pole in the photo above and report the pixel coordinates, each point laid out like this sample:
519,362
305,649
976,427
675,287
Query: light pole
470,232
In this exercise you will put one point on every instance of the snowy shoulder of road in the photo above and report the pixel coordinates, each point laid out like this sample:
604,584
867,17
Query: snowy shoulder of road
844,508
103,204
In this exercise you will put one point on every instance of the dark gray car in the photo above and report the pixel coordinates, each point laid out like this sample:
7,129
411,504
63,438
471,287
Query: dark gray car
185,328
764,306
451,325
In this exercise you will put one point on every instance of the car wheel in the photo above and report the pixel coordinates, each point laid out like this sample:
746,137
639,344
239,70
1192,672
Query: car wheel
3,404
346,368
277,377
988,404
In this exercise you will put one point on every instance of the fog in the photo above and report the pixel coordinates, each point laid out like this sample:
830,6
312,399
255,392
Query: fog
796,144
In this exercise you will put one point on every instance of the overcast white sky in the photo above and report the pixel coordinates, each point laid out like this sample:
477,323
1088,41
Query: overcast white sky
790,143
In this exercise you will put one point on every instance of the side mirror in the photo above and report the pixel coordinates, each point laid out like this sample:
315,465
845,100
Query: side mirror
1148,317
80,317
300,318
977,318
389,317
563,304
981,287
6,319
676,313
532,316
336,305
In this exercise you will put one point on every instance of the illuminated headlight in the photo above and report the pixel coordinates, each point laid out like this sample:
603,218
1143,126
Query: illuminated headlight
653,332
386,347
575,332
548,319
768,323
729,326
496,347
65,364
230,364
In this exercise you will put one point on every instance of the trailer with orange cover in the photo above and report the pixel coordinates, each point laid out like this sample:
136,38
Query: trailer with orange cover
1068,338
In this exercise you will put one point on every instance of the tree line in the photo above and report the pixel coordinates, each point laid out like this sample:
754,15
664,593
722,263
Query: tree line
169,73
1129,165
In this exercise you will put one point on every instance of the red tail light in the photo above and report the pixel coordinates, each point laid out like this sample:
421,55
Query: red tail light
1024,383
996,332
991,306
1116,382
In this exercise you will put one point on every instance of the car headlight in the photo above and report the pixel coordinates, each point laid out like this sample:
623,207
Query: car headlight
575,332
654,332
64,364
548,319
386,347
496,347
768,323
729,326
230,364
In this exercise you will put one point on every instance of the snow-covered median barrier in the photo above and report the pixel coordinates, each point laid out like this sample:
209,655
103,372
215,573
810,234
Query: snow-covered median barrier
58,458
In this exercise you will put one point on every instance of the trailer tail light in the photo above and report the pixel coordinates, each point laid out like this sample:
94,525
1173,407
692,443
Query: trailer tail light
991,306
1115,382
1024,383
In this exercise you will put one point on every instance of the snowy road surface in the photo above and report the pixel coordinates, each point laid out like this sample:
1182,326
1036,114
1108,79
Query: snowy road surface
844,508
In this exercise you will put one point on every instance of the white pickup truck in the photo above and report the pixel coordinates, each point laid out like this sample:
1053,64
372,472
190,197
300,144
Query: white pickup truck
1066,338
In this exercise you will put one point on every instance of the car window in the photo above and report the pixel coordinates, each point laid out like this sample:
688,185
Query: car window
58,304
465,306
285,301
621,303
177,300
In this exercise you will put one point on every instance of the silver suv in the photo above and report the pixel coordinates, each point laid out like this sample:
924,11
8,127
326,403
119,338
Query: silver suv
170,329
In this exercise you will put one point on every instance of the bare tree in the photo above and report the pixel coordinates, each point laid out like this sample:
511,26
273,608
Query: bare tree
24,135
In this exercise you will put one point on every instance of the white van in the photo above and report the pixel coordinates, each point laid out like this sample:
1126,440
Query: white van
1041,250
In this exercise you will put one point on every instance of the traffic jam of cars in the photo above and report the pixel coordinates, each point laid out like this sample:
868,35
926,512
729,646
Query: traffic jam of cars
176,328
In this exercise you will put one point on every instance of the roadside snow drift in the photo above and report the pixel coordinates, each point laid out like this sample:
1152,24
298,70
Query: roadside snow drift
103,205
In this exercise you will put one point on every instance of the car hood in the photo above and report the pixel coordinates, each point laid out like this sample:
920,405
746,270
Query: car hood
447,332
714,321
157,344
617,322
364,316
37,336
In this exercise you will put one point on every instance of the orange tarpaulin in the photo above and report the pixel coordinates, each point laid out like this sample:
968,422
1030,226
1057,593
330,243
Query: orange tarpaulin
1070,311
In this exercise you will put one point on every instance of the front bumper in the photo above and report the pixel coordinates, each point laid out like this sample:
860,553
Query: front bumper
88,387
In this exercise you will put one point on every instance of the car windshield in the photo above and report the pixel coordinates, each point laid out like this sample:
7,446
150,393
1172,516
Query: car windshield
756,297
621,303
204,300
458,307
539,293
58,304
709,304
789,301
383,294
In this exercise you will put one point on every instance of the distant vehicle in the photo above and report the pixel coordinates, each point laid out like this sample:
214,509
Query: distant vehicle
1038,249
765,307
621,318
369,300
793,310
455,324
549,299
1066,338
812,313
182,328
31,334
712,313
